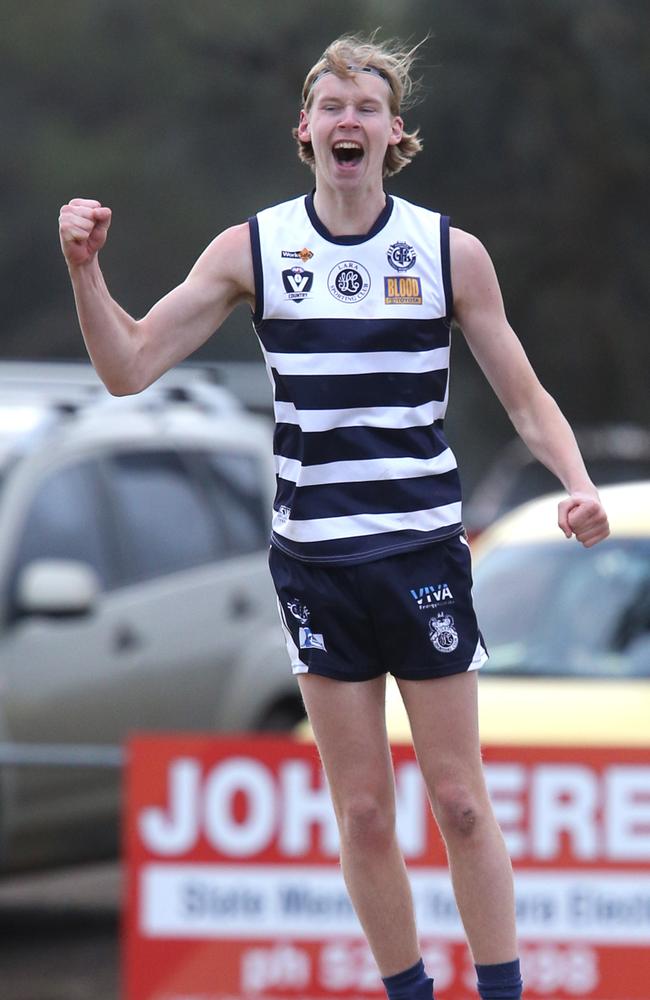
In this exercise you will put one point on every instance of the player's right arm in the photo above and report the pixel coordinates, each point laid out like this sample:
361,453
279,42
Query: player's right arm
130,354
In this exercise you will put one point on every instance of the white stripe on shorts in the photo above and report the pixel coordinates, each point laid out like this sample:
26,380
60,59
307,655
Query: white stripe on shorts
480,657
297,666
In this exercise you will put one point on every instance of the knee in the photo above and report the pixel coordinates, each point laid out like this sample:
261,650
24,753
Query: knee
367,823
460,813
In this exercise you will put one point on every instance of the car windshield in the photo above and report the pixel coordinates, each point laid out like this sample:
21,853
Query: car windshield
562,609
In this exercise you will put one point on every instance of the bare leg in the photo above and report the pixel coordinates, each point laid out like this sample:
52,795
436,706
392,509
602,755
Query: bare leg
444,720
348,720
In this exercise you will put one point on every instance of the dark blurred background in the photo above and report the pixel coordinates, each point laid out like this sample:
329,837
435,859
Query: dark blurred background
178,116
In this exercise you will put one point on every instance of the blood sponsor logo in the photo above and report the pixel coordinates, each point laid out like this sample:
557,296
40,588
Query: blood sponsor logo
403,291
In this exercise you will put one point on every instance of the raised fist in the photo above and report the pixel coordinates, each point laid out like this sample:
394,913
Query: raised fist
83,227
582,515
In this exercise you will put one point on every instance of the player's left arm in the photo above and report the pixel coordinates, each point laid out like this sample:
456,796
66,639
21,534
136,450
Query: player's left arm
479,311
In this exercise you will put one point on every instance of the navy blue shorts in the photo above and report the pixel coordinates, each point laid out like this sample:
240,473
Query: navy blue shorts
410,615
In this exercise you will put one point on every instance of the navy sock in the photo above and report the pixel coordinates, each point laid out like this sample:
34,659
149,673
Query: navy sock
499,982
412,984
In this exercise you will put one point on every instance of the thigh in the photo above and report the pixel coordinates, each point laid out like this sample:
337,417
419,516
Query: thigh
349,724
443,713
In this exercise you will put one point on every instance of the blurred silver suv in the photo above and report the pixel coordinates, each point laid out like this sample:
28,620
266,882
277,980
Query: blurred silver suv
134,591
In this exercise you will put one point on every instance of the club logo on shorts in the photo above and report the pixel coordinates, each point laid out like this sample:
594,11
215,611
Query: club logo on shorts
298,610
297,283
401,256
306,638
349,281
442,633
311,640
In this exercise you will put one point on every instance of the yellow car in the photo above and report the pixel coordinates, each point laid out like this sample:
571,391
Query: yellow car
568,628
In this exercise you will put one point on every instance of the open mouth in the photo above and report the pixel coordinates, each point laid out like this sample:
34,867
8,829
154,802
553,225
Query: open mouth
347,152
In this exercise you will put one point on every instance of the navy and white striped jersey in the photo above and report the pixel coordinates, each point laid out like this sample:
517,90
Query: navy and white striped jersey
355,333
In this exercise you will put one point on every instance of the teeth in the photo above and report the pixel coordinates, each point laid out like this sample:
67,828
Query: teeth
347,145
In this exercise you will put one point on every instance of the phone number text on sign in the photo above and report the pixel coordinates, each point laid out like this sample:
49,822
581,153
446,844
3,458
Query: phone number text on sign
343,966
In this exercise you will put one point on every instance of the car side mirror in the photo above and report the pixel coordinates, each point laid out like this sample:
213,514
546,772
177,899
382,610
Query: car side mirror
56,587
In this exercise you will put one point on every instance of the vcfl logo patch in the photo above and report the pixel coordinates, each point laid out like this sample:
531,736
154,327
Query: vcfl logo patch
297,283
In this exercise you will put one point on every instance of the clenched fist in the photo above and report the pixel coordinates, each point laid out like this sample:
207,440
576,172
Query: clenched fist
583,516
83,227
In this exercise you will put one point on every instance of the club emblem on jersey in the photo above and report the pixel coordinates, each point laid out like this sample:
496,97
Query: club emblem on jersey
297,283
442,633
401,256
349,281
298,610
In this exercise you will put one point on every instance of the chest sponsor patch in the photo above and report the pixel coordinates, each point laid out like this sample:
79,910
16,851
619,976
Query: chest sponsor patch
304,255
403,291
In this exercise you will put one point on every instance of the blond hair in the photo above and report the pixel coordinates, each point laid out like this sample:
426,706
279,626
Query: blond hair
390,60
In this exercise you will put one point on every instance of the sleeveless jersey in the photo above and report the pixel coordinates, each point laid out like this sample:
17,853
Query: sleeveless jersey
355,332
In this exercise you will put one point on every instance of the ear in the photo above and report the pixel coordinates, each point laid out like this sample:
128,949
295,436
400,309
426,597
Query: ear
396,131
304,133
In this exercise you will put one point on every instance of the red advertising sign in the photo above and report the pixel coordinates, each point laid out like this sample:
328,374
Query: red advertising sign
234,890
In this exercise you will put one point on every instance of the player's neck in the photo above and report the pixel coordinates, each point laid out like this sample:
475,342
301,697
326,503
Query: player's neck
348,213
